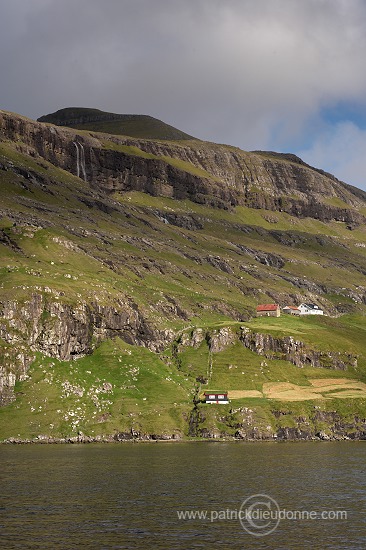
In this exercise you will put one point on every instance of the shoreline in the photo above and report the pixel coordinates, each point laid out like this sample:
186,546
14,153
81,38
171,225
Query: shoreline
111,440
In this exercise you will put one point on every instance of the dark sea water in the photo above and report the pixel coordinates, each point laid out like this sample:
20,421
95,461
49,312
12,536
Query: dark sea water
129,495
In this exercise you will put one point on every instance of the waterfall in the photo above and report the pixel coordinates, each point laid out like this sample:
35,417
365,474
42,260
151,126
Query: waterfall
80,160
77,159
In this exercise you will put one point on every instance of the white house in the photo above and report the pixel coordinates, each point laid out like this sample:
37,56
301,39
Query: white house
310,309
291,310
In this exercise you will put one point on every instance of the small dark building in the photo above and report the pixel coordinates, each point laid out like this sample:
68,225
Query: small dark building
216,397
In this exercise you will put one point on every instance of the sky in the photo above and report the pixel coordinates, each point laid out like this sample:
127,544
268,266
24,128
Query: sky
279,75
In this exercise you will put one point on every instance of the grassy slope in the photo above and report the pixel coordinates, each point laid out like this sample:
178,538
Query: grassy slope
239,368
154,262
138,126
117,388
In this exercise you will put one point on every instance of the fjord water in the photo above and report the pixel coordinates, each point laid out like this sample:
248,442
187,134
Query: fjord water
121,496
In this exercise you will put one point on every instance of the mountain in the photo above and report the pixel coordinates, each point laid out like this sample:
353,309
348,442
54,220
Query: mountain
138,126
130,274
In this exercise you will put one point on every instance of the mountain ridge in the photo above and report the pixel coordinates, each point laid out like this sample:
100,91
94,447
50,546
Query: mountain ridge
144,126
219,175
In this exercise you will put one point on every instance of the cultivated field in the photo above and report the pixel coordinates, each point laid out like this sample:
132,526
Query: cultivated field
320,388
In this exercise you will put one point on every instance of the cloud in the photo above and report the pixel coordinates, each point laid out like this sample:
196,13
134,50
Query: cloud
341,150
249,73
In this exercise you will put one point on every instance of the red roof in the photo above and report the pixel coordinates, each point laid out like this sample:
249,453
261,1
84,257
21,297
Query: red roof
268,307
290,307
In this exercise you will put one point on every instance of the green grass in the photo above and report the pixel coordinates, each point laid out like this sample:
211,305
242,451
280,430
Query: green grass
177,163
346,334
138,126
117,388
336,201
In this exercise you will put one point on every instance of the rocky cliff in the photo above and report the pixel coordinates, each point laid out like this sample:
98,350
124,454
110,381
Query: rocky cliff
285,348
216,175
243,423
45,324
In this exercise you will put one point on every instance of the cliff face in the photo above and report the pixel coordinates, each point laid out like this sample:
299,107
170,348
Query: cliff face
286,348
206,173
242,423
65,332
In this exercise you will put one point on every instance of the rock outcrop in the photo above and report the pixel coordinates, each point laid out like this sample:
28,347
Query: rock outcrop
64,331
295,351
220,339
243,423
286,348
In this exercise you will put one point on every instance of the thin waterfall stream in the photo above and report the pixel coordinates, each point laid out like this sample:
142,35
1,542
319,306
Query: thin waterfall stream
80,160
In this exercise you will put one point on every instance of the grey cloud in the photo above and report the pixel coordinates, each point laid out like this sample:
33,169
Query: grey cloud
250,73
